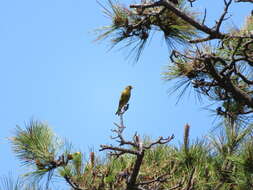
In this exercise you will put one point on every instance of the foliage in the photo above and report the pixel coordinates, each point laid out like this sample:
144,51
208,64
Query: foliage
221,71
223,160
134,26
9,183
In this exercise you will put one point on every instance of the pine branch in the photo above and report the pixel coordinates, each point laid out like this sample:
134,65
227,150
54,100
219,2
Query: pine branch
214,34
137,149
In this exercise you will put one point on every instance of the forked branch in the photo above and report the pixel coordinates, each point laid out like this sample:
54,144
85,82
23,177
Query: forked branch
137,149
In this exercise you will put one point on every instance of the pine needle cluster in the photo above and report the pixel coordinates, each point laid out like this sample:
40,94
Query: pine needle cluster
134,26
223,160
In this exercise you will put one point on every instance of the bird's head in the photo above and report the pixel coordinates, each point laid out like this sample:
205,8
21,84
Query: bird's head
129,87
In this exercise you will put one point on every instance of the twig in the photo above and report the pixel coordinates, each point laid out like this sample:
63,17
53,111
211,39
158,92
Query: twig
161,178
120,150
227,4
175,187
191,1
204,19
161,140
74,185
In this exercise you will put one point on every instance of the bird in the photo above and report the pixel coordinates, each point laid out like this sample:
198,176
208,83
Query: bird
124,98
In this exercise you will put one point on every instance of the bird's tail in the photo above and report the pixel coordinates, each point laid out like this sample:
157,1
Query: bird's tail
117,112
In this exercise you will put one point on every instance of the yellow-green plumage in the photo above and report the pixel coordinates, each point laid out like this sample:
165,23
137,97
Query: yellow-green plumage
124,98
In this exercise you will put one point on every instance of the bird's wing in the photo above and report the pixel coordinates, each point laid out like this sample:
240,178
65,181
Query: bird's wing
124,98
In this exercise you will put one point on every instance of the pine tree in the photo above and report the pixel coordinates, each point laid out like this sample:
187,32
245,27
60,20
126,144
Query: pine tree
223,160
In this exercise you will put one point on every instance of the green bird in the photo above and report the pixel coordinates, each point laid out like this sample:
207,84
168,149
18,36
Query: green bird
124,98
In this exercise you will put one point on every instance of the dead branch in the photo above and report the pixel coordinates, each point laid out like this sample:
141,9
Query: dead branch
161,140
136,148
118,150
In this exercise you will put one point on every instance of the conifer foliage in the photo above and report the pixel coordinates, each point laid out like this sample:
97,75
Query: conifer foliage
215,62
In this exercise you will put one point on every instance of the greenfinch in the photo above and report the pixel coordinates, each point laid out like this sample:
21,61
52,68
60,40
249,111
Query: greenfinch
124,98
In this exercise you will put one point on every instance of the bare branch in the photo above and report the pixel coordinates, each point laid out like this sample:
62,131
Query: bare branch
218,25
120,150
122,141
191,1
138,149
161,140
204,19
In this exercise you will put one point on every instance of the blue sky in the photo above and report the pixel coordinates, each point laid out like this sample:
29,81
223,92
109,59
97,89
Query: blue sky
51,70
